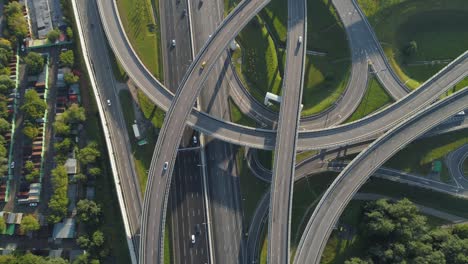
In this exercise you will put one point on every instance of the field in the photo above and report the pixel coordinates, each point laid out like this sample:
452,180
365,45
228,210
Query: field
437,27
252,189
141,154
375,98
419,155
140,19
263,46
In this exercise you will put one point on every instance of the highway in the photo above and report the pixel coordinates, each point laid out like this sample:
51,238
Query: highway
94,38
160,173
187,210
223,182
288,125
454,162
335,199
245,136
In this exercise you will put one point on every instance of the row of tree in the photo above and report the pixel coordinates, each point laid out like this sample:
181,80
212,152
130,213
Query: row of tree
30,259
398,233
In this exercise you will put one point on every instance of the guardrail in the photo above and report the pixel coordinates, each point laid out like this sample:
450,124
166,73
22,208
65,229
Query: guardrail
454,104
104,126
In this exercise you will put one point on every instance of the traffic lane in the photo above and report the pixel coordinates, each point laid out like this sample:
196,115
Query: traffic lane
284,160
177,56
201,121
188,210
225,203
359,170
94,37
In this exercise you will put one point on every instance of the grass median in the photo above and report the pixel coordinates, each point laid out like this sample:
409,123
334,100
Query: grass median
140,18
437,28
374,99
418,156
263,44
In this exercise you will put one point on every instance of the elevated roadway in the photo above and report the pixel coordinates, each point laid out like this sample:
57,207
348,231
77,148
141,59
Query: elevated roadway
365,164
160,173
265,139
288,125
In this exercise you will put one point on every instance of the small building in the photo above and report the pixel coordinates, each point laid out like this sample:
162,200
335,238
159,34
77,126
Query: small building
60,80
437,166
71,166
65,229
43,19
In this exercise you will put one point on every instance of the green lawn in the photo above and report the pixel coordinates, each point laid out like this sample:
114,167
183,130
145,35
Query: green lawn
167,243
375,98
437,26
238,117
141,154
150,110
325,77
339,247
252,189
304,155
440,201
112,223
264,252
462,84
260,69
142,28
419,155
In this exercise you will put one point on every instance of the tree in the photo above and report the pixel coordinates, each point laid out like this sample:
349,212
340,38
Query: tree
83,242
59,201
57,261
80,177
6,84
16,23
88,212
94,171
30,259
88,154
411,48
30,131
29,223
98,239
33,176
69,33
34,62
357,261
5,126
61,128
33,107
29,166
2,225
461,230
71,78
74,114
53,35
67,58
63,147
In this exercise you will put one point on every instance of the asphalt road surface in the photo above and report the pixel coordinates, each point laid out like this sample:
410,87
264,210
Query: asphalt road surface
265,139
188,210
285,151
107,85
337,196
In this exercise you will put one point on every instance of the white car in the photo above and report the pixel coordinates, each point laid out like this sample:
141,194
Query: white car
33,204
193,239
299,41
12,165
166,164
108,102
173,43
195,141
